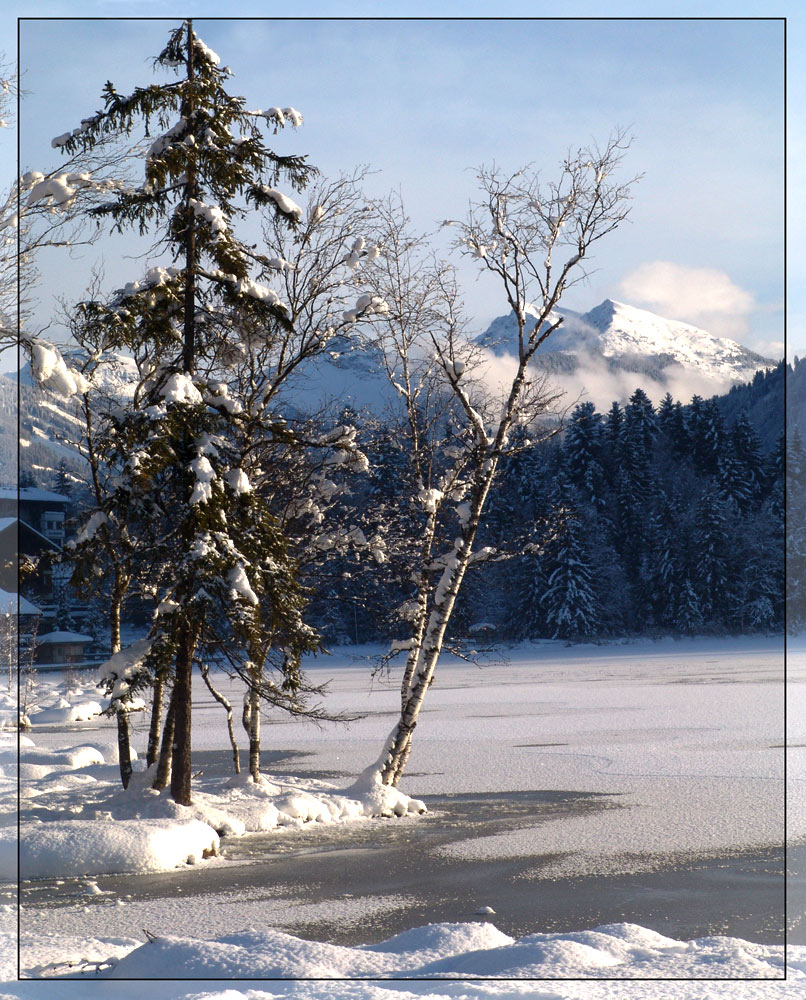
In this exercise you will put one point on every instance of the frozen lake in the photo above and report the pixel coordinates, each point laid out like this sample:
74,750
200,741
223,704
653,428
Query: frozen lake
568,787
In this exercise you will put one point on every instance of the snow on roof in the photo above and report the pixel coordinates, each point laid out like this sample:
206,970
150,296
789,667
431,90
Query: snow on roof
64,637
32,493
8,604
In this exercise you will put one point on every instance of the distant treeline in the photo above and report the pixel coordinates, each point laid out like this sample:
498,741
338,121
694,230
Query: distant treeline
641,520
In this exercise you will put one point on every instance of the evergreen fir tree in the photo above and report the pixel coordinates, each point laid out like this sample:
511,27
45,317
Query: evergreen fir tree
530,622
746,449
613,440
63,483
706,433
570,604
711,541
640,426
666,411
689,618
795,534
221,569
581,452
65,620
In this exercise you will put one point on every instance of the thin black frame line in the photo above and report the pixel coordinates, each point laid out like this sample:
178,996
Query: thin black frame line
446,20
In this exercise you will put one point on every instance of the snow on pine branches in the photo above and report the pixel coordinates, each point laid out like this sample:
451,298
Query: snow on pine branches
188,494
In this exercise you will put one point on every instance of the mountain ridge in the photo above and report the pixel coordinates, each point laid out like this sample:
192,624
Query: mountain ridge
621,333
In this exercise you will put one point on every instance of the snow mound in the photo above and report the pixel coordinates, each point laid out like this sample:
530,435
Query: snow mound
74,847
8,853
67,757
442,950
80,712
140,829
241,805
382,800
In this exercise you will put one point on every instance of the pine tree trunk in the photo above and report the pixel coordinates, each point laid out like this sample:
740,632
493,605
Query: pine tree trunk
189,347
162,777
124,731
181,701
124,748
156,722
181,697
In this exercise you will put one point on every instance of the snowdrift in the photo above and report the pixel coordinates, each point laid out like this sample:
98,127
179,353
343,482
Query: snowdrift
458,950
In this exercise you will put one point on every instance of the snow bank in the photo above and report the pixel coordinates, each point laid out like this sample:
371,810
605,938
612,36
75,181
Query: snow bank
382,800
75,847
8,853
82,711
460,950
138,829
238,805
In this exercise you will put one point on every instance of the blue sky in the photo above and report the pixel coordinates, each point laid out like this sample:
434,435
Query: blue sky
424,102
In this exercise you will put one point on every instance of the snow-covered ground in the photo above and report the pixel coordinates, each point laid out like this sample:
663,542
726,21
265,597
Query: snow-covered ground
685,736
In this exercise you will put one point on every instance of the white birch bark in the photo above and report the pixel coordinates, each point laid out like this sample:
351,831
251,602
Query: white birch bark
533,239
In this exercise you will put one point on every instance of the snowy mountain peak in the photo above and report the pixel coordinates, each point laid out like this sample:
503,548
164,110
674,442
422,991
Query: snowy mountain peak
603,314
615,337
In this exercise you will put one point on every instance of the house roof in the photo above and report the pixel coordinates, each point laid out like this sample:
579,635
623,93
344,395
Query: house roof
8,604
64,637
6,523
32,493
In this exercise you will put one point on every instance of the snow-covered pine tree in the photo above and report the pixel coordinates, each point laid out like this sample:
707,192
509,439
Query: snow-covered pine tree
711,541
639,432
706,434
795,533
582,453
666,413
217,555
689,618
613,423
746,448
569,602
62,482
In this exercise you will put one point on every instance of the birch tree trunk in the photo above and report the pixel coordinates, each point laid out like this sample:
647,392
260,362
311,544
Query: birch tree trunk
163,775
399,743
156,722
236,756
531,235
254,724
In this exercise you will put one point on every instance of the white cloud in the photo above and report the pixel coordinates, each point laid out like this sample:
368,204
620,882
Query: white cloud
593,379
769,348
702,296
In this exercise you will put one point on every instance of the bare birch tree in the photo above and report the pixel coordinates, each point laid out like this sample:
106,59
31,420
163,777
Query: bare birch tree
534,237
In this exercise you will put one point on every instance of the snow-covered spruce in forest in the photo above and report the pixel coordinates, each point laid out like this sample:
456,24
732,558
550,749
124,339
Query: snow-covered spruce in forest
185,511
